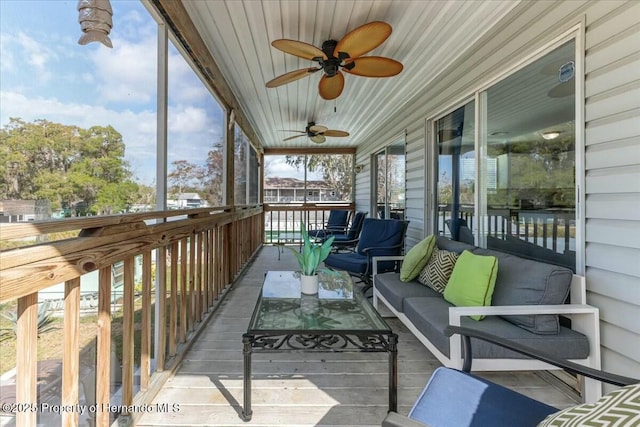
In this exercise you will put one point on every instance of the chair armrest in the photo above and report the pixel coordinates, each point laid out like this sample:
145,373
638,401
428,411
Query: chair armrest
393,419
468,333
370,250
376,259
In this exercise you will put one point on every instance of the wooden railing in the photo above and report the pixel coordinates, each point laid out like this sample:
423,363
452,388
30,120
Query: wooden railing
138,337
282,221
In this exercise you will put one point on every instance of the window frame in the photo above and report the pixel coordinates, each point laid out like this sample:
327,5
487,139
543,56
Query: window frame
573,32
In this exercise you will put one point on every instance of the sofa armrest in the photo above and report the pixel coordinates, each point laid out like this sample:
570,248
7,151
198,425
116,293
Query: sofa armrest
376,259
575,368
393,419
584,319
455,313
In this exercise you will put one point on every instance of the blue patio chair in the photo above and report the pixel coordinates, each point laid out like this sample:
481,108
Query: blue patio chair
349,240
455,398
336,224
379,237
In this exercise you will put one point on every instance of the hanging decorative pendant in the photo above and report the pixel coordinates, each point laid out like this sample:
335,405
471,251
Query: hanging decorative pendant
94,17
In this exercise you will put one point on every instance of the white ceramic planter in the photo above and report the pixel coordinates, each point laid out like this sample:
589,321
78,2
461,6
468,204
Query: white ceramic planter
309,284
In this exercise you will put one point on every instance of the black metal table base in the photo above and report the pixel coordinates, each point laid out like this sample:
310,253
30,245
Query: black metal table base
321,342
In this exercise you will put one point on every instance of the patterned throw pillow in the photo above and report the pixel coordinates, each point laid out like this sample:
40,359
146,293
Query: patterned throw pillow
621,407
438,270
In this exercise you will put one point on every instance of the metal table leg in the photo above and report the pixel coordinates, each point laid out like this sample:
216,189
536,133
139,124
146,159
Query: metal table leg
393,372
247,339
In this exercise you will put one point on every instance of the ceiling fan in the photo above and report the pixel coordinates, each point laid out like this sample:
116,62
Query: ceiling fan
345,55
317,133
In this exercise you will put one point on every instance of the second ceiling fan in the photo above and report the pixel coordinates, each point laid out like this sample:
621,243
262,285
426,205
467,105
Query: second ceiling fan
317,133
337,56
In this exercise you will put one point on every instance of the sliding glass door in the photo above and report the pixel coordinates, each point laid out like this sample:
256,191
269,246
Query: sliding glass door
525,188
531,200
389,185
456,173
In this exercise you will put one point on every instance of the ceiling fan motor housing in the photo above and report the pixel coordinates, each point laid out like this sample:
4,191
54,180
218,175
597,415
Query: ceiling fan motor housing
332,64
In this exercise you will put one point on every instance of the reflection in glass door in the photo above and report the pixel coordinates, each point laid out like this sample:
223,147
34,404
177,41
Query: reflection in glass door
530,197
456,174
390,181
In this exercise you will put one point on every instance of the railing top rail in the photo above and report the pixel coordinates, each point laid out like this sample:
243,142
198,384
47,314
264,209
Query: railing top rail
28,269
33,228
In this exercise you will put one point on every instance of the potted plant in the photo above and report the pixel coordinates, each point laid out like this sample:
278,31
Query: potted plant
309,258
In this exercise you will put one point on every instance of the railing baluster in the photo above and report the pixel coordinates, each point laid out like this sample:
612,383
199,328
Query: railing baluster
103,354
27,358
194,296
127,332
184,262
71,351
173,300
145,333
160,322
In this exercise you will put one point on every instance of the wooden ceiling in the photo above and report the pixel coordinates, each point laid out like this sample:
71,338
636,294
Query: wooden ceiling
426,37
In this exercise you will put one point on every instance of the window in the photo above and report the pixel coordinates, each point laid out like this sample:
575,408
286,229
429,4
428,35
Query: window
91,111
241,158
195,139
254,179
390,181
525,187
530,178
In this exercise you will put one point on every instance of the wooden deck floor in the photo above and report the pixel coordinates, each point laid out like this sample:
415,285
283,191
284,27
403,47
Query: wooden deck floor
296,389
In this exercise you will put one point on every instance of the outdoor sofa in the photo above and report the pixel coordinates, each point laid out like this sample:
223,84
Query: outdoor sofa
533,303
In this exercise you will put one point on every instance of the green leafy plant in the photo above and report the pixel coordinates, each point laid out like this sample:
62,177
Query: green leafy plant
44,321
312,253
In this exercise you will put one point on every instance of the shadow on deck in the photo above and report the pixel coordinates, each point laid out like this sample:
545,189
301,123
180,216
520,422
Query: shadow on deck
321,389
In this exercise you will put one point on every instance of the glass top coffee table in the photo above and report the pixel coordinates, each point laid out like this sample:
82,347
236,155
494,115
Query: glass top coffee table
337,319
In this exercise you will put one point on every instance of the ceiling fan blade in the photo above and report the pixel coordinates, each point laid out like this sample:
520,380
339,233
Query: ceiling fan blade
374,66
364,39
297,48
331,87
563,89
318,139
336,133
291,130
291,77
292,137
318,129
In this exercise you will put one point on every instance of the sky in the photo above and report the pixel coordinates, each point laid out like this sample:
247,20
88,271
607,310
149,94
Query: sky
46,74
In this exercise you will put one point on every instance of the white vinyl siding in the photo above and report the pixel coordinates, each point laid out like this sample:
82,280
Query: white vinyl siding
611,139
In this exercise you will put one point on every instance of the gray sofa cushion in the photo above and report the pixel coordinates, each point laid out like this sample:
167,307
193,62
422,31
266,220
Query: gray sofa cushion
431,315
452,245
525,282
395,290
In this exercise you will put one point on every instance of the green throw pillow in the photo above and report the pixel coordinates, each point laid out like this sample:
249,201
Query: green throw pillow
416,259
472,281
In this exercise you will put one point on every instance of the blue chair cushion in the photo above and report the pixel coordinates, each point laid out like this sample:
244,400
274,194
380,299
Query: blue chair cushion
457,399
336,223
351,262
381,233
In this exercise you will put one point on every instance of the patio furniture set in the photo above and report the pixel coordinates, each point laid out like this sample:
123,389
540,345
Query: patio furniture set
519,315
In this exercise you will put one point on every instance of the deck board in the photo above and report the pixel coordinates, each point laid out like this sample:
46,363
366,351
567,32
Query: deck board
299,389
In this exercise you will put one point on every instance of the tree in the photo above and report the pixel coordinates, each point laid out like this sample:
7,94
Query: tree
212,179
184,175
66,165
336,170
